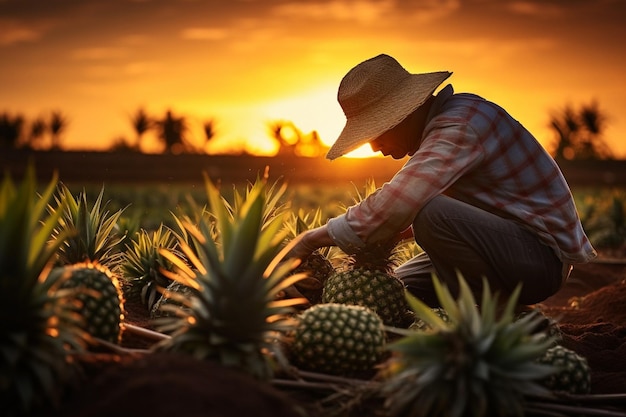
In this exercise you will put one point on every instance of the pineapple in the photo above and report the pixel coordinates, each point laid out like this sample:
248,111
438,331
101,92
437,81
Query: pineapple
88,257
232,316
317,266
369,281
573,375
475,364
39,329
99,294
338,339
142,264
368,278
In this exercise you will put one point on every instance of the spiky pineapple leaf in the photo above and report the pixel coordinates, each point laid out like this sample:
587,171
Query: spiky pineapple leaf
142,263
232,315
93,231
39,326
482,358
424,312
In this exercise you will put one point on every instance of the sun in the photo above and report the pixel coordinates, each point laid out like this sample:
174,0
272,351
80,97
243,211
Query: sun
315,110
364,151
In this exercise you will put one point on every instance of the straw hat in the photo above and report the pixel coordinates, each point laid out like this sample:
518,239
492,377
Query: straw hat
375,96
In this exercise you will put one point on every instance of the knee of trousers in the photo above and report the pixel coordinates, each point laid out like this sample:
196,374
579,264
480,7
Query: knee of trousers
430,218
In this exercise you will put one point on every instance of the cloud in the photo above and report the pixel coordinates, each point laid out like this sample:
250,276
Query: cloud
366,11
13,32
141,67
536,9
112,72
363,11
134,40
203,34
99,53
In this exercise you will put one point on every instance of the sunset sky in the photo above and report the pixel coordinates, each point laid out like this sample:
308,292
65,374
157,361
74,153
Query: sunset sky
247,63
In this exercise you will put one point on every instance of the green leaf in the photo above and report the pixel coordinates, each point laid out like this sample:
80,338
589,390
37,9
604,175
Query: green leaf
425,313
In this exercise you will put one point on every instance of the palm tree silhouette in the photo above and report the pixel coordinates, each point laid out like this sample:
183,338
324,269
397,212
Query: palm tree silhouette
58,124
141,123
209,130
37,130
593,121
172,131
579,133
10,130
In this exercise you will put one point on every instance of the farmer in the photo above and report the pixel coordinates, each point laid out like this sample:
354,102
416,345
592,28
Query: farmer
478,193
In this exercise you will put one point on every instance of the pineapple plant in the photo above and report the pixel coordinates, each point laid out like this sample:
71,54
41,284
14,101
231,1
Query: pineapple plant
367,278
474,364
232,316
338,339
573,374
159,310
88,258
93,234
317,266
40,330
142,264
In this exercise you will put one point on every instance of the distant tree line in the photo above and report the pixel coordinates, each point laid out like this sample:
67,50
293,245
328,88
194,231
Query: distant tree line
16,132
578,132
171,130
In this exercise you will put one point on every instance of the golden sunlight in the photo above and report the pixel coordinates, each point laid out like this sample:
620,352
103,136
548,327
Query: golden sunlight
364,151
316,109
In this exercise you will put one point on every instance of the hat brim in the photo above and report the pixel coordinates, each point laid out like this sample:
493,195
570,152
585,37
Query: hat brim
387,112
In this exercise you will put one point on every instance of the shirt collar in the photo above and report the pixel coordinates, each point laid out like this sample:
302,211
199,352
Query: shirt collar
441,98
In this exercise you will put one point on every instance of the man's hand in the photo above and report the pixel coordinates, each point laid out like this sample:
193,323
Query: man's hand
309,241
303,248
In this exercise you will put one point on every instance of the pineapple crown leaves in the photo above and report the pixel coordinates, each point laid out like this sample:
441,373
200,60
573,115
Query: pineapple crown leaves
142,256
272,206
248,247
377,255
273,195
25,230
38,322
233,315
142,263
381,255
300,222
368,189
487,363
94,232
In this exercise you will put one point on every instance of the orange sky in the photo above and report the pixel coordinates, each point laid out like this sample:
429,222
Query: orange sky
246,63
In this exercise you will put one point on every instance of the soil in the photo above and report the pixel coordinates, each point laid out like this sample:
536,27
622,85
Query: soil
590,311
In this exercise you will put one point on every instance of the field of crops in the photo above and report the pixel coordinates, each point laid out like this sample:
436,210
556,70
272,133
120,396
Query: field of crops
152,204
221,262
151,187
602,209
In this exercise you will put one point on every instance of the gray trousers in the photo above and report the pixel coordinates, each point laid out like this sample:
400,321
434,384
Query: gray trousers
456,236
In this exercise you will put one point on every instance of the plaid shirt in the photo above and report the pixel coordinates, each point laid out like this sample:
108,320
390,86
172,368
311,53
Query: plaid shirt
474,151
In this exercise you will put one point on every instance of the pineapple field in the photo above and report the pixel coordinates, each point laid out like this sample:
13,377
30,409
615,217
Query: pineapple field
182,299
